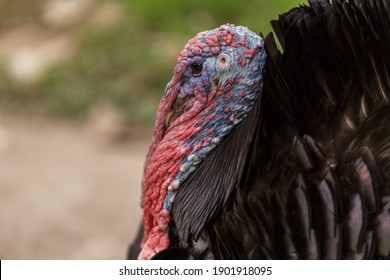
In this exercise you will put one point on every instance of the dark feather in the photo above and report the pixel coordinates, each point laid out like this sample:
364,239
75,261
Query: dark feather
174,253
383,226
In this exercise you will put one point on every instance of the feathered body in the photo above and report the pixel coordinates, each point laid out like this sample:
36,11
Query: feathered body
306,173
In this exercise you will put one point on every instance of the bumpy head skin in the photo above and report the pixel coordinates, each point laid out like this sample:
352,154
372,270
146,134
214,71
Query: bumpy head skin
215,83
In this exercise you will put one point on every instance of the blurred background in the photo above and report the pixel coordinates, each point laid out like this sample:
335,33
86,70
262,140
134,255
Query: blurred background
80,81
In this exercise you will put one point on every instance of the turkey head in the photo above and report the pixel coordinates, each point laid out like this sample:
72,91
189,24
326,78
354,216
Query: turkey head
216,81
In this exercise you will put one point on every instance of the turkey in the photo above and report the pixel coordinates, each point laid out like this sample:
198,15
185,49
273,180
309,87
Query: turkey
265,154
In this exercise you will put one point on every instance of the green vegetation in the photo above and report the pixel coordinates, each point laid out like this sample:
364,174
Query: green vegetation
129,64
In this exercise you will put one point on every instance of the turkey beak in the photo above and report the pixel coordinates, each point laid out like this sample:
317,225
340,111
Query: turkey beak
215,82
168,119
177,109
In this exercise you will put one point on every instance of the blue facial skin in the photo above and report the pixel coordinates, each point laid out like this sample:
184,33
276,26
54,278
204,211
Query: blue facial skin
231,106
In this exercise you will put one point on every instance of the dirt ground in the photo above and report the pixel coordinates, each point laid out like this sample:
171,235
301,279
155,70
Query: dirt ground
64,195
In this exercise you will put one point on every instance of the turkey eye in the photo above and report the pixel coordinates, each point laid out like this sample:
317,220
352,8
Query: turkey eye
195,68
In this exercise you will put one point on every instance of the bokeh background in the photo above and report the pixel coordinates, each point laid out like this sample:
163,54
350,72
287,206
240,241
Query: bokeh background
80,81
